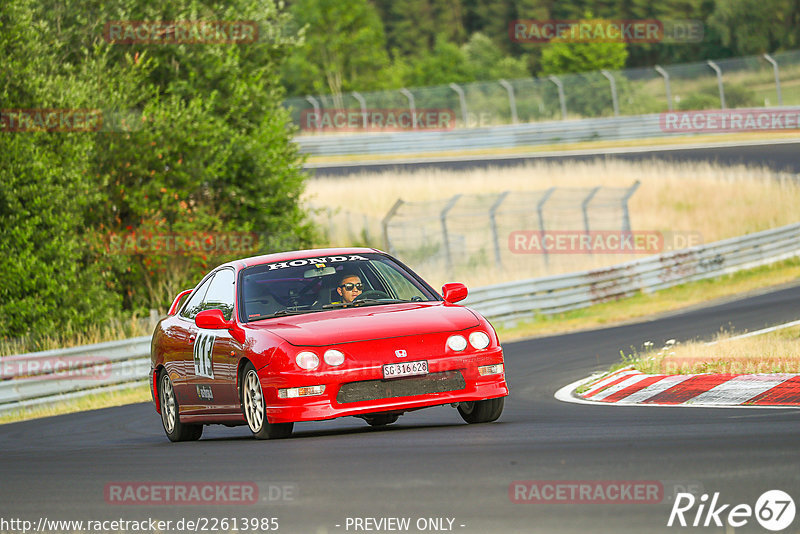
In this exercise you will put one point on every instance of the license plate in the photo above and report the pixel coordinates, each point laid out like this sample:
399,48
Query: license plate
396,370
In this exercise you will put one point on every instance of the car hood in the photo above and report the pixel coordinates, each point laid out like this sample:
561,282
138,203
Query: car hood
369,323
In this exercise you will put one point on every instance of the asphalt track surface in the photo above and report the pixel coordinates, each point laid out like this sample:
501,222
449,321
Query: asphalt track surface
430,464
779,156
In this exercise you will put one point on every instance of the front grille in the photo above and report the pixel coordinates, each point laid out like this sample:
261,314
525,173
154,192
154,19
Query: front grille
400,387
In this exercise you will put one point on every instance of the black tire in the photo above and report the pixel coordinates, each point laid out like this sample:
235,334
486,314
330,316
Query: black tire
484,411
255,410
381,419
170,413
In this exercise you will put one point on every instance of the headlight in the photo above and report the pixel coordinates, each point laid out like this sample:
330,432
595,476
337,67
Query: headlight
333,357
457,343
307,360
479,340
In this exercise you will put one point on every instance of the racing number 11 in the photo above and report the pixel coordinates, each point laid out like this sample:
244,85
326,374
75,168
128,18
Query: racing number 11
203,348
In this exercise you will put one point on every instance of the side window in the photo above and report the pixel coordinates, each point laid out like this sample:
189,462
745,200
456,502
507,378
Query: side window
402,287
194,306
220,293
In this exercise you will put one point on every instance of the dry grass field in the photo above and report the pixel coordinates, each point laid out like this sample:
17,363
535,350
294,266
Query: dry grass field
773,352
711,200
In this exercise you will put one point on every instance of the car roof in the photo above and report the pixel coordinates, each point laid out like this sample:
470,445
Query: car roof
298,255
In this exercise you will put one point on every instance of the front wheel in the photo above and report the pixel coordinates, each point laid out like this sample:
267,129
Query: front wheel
170,413
255,410
484,411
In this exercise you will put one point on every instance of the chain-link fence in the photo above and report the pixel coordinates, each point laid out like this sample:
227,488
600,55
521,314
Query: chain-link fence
472,231
752,81
340,227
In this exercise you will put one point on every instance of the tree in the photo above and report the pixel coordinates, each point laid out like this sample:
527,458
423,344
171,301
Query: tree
756,26
587,92
344,48
208,149
488,62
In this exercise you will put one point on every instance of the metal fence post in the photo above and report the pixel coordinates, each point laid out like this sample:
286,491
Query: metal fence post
719,82
385,224
411,106
363,104
613,83
585,207
540,212
463,100
512,103
331,226
777,77
492,218
665,74
585,210
317,113
626,219
561,99
445,237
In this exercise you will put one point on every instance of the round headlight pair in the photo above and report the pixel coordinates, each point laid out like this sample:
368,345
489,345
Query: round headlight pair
308,360
479,340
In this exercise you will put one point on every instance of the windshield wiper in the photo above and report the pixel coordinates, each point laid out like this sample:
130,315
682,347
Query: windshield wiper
282,313
361,302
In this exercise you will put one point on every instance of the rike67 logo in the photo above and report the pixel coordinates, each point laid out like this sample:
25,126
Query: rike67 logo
774,510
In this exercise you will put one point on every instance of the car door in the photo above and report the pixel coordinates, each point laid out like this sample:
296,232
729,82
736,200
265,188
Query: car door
182,333
214,352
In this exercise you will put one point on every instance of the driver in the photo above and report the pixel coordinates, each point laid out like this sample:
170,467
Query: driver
349,287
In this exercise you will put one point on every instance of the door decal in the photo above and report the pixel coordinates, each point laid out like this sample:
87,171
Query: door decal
203,348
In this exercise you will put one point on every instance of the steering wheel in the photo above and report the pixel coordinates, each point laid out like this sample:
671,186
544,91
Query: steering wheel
372,294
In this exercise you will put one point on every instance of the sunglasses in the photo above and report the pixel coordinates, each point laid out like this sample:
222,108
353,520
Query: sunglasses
350,286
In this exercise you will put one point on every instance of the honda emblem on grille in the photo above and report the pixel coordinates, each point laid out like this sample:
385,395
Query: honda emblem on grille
400,353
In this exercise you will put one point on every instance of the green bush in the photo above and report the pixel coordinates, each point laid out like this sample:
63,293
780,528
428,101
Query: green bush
209,150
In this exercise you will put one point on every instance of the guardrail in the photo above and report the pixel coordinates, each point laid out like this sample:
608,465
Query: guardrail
510,301
508,136
38,378
52,376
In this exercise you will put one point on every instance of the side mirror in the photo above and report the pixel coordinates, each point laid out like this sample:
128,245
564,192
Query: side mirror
176,303
454,292
212,319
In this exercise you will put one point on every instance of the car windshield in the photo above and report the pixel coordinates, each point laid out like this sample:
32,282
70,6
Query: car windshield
323,283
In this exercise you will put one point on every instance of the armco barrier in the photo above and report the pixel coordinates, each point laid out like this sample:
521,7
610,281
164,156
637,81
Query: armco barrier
508,136
53,375
555,294
33,379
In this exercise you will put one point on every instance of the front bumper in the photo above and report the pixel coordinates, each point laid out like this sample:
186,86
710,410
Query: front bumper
362,390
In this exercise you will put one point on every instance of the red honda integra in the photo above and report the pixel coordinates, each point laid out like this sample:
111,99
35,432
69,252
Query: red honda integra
318,334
